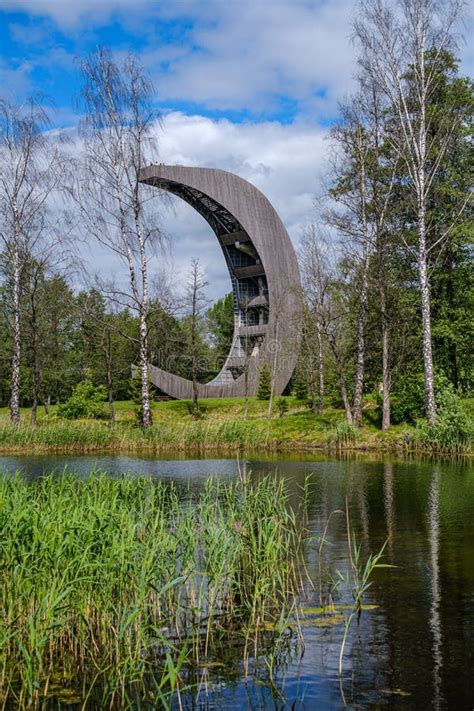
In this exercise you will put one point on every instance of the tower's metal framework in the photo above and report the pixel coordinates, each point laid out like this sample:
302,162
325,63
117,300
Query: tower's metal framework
264,274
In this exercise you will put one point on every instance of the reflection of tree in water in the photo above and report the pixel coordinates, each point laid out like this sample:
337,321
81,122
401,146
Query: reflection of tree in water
435,586
389,506
215,685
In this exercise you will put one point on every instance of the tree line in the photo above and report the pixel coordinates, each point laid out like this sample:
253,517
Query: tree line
390,312
386,267
68,337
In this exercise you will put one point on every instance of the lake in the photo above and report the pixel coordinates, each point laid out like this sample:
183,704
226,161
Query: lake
415,650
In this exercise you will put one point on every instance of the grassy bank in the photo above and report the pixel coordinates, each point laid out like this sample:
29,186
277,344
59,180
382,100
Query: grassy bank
113,590
222,428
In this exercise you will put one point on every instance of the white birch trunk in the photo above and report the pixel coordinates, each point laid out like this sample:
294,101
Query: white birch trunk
16,355
143,365
385,360
146,407
320,369
360,363
430,402
364,296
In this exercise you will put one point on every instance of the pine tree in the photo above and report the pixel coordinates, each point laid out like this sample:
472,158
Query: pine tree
264,383
300,387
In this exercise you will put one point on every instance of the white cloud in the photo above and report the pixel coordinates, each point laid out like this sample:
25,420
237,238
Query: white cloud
241,54
15,78
465,43
261,56
253,53
286,162
69,14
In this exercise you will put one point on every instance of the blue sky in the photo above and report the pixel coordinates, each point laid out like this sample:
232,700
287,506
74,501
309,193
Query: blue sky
246,61
250,86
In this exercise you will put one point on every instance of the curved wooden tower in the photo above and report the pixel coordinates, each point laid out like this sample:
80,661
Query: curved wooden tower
264,274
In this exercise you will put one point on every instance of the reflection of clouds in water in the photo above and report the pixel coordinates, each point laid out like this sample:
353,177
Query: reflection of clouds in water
179,470
435,617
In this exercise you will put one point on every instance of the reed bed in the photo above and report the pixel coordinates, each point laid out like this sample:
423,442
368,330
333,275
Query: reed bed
441,438
113,589
163,436
343,435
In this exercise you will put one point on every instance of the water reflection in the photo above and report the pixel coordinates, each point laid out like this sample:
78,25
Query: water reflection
435,618
389,505
415,650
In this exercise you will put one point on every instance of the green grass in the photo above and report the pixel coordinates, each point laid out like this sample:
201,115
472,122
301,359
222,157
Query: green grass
222,428
112,588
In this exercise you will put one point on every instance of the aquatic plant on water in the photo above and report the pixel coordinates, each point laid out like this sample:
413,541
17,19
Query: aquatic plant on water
358,579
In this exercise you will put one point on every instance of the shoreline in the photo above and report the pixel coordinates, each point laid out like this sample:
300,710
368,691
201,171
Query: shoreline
228,449
221,430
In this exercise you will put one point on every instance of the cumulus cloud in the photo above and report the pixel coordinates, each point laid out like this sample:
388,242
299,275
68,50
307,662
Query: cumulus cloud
250,54
69,14
256,53
286,162
260,57
15,78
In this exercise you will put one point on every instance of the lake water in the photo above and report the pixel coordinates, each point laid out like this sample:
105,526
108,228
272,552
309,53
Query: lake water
415,650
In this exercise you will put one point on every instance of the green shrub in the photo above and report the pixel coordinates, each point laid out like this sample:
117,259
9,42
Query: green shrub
264,383
453,431
87,400
196,410
407,400
282,406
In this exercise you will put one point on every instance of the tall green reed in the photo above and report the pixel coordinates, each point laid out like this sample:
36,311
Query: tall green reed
178,436
122,583
358,580
343,434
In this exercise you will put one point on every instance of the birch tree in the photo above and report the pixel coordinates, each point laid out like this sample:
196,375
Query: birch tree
313,280
402,45
351,192
196,302
325,307
363,182
118,135
30,172
312,360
